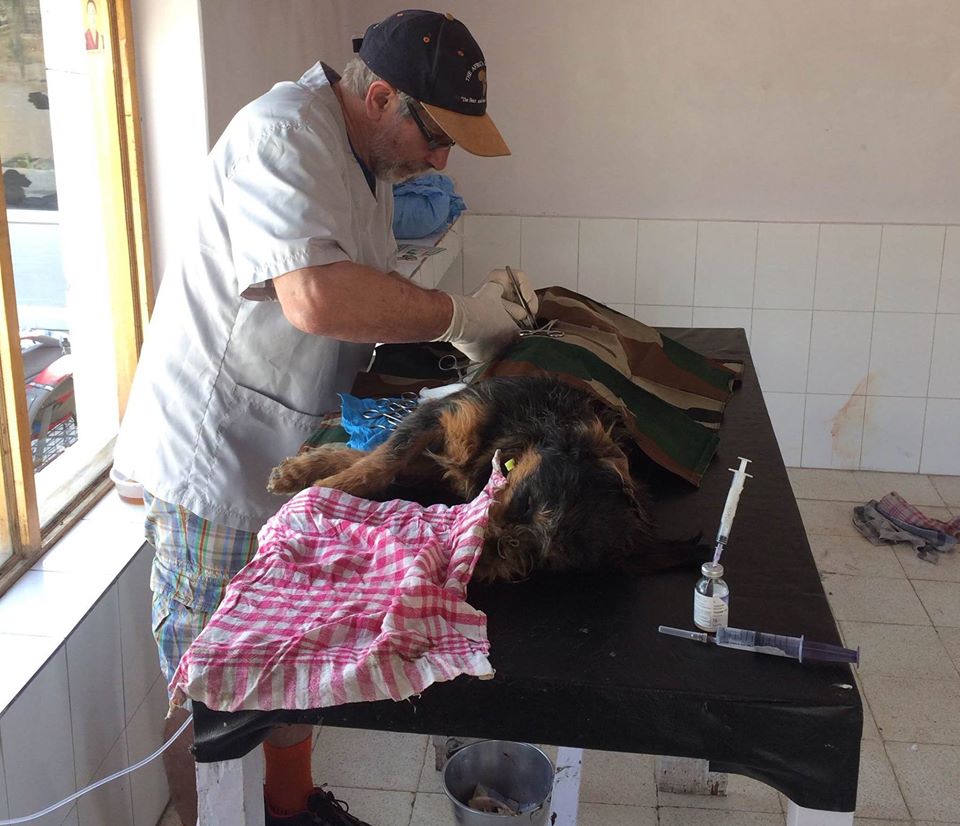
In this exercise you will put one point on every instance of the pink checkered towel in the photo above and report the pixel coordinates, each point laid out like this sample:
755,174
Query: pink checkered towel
346,601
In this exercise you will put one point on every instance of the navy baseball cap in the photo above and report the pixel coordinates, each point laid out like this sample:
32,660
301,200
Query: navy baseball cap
434,59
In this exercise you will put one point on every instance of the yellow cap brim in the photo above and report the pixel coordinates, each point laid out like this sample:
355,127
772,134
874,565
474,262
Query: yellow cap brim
475,133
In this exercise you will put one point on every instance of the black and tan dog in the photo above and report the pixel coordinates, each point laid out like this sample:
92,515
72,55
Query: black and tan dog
570,502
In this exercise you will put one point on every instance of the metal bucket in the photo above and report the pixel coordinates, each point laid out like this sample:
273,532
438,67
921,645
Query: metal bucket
515,770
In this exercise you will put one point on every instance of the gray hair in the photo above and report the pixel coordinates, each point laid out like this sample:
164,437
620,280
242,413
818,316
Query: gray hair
357,77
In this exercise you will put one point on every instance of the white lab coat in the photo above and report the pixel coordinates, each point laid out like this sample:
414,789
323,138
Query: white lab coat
226,387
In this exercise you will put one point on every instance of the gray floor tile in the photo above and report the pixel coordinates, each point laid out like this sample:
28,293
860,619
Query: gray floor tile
830,485
915,710
431,810
874,599
369,759
605,814
949,489
947,568
855,556
832,518
877,792
942,601
744,794
622,779
899,650
378,806
928,776
950,637
915,488
706,817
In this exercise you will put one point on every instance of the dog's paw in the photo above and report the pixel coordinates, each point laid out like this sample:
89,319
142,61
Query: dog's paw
287,477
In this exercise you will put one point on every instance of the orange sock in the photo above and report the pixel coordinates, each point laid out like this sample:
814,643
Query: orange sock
289,780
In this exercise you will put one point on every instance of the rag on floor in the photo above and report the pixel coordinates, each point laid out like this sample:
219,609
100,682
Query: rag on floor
893,519
346,601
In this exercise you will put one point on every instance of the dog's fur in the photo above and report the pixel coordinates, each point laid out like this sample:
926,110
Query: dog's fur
569,503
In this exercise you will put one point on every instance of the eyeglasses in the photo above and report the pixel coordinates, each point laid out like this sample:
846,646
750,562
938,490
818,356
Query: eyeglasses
434,141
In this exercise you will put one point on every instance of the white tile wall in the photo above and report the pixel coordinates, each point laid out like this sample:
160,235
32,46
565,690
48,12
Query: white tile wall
726,264
910,261
941,447
786,266
96,706
900,354
608,259
666,262
945,365
949,301
549,251
892,434
854,328
847,264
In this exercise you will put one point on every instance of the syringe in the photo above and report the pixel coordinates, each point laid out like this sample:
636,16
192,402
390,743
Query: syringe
797,648
740,475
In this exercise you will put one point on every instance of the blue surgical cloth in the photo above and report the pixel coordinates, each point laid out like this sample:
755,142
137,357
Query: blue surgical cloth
365,434
424,205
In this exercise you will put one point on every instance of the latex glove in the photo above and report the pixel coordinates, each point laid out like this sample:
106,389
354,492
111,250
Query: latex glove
512,301
481,325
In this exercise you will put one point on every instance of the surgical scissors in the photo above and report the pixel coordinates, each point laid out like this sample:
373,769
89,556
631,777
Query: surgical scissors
531,318
391,410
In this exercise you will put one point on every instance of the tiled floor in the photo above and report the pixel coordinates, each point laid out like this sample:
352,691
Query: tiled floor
903,613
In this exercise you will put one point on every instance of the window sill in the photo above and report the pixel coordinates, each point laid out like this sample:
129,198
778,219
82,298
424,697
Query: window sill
43,607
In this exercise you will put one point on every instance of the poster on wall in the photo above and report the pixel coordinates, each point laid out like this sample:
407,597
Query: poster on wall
92,19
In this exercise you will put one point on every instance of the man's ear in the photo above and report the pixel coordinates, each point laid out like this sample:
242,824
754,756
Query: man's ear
378,99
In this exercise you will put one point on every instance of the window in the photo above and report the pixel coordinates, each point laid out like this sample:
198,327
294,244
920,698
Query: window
74,268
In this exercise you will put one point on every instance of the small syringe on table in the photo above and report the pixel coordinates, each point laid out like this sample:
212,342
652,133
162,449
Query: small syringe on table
740,475
780,645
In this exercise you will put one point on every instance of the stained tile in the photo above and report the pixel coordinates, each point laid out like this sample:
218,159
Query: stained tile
779,343
941,447
726,264
786,266
892,434
928,774
613,777
847,263
370,759
898,650
877,792
549,249
666,257
832,431
910,261
874,599
840,352
608,259
854,556
916,710
942,601
432,809
603,814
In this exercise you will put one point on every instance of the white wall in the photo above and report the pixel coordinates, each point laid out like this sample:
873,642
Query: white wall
782,110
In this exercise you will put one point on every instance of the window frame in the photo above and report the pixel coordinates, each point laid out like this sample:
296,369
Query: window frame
120,148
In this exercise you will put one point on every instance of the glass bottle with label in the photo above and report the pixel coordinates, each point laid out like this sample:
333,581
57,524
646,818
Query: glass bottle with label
711,598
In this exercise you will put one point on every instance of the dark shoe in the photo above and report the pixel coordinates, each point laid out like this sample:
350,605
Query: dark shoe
323,809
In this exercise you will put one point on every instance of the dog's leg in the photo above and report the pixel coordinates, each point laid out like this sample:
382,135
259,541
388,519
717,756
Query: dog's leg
300,471
374,472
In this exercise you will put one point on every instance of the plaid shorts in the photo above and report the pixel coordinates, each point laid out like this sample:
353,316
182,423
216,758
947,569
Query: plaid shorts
193,562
